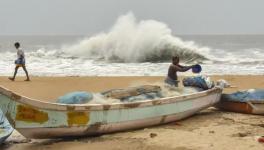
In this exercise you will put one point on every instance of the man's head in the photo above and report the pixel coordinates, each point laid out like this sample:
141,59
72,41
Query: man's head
175,60
17,45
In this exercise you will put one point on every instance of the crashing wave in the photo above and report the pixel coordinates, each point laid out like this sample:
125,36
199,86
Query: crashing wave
130,40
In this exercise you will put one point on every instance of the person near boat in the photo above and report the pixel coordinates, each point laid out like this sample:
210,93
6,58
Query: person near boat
172,78
20,62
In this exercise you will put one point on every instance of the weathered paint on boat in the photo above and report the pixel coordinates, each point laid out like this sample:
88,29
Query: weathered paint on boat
250,107
37,119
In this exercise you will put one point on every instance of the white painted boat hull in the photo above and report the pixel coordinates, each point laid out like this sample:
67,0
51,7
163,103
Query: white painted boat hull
36,119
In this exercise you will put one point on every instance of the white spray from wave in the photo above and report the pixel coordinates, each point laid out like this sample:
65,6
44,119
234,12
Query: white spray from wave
130,40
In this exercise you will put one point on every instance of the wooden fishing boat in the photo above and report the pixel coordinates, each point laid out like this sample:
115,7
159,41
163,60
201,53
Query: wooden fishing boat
248,107
37,119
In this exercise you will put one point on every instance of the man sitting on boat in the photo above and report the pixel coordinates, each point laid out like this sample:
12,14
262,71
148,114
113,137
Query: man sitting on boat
172,78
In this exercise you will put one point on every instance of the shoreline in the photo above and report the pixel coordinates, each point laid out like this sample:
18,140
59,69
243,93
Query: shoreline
50,88
181,75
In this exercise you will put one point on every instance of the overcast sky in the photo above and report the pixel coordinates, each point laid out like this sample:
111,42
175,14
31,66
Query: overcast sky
86,17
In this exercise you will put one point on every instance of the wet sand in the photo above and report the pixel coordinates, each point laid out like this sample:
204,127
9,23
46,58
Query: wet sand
209,129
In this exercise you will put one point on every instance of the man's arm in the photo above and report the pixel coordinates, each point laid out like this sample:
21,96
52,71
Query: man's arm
181,68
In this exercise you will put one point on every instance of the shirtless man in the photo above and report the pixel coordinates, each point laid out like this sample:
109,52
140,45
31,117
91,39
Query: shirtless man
20,62
172,78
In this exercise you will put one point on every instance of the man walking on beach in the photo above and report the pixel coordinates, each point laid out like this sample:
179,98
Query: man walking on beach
20,62
172,78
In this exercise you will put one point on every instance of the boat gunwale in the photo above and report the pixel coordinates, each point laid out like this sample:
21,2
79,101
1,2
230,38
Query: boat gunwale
97,107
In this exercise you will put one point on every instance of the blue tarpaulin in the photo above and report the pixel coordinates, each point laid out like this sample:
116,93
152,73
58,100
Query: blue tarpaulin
198,81
245,96
5,128
75,98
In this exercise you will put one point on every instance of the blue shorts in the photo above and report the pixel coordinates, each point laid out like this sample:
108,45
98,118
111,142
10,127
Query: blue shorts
20,62
171,82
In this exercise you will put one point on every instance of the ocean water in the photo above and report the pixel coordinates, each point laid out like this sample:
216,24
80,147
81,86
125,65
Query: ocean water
133,47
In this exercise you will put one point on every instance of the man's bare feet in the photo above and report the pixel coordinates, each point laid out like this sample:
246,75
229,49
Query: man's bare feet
12,79
27,80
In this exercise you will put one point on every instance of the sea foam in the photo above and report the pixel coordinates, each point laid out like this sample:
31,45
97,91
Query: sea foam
130,40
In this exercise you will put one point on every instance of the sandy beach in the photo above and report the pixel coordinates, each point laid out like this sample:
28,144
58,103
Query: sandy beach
210,129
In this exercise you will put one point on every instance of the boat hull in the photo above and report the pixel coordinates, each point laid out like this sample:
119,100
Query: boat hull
252,107
36,119
98,129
